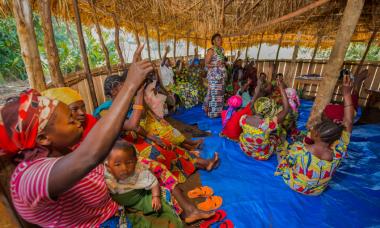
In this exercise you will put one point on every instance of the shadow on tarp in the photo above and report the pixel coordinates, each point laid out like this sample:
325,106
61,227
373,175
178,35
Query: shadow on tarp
254,197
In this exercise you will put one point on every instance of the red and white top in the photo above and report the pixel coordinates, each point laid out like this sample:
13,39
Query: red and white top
87,204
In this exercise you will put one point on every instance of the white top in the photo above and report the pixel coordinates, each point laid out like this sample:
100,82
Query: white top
167,75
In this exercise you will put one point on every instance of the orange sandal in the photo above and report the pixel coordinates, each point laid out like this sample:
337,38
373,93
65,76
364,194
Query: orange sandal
211,203
203,191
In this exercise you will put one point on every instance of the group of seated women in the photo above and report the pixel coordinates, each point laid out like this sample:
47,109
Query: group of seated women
266,126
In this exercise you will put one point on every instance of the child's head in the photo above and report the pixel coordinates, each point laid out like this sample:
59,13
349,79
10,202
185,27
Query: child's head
122,159
327,131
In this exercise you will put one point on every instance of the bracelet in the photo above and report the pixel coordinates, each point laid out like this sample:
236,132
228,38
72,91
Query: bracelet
138,107
348,105
155,196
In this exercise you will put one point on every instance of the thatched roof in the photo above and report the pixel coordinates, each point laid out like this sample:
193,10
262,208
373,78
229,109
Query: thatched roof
240,21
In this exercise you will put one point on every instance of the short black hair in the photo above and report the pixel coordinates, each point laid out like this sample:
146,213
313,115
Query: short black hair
214,37
112,81
329,131
126,147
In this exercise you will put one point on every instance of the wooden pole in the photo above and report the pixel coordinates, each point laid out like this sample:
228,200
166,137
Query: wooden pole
316,47
158,41
261,41
49,44
205,50
137,37
187,45
175,47
117,40
290,74
22,11
147,41
229,39
347,27
277,53
102,43
82,46
371,39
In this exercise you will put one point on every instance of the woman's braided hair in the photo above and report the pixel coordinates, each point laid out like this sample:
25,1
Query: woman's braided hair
329,131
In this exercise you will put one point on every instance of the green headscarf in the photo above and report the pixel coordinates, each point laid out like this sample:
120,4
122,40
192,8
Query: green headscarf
264,107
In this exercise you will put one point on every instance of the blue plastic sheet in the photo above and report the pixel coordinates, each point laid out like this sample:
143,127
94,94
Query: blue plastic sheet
254,197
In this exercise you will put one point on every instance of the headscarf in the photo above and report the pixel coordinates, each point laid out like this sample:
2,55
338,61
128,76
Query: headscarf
21,121
234,103
293,98
265,107
65,95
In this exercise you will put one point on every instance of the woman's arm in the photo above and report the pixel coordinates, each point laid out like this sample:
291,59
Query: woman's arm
209,54
138,108
348,119
167,48
72,167
257,93
281,116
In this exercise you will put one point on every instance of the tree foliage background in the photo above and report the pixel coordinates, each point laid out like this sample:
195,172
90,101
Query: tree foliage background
12,67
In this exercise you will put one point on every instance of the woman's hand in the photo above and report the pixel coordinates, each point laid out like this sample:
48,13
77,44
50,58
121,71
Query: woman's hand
156,203
347,85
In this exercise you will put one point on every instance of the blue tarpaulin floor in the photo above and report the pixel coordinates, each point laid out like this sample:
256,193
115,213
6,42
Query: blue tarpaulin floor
254,197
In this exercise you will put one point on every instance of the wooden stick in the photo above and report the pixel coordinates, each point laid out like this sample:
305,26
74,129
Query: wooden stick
82,46
147,41
187,45
277,53
23,14
49,44
319,39
205,50
117,40
371,39
158,42
261,41
347,27
290,74
175,47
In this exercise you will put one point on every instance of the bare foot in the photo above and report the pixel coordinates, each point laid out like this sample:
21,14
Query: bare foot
195,153
198,142
213,163
198,215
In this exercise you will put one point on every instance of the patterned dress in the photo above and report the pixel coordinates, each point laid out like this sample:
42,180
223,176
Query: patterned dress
195,79
186,92
257,142
216,76
307,174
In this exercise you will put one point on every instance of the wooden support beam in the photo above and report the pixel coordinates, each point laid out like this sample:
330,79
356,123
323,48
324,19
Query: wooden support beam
117,40
100,36
371,39
187,45
137,38
229,39
147,41
205,50
158,42
246,52
277,53
22,12
82,46
175,47
315,51
346,29
49,43
286,17
261,41
255,4
290,74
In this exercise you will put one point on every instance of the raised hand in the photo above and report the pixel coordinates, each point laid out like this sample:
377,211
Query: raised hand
138,69
167,49
137,54
347,85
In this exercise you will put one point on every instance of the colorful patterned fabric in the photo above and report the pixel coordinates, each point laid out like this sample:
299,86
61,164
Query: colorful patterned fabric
20,122
86,204
176,160
196,81
293,99
187,93
265,107
161,128
257,142
307,174
65,95
216,76
234,103
232,129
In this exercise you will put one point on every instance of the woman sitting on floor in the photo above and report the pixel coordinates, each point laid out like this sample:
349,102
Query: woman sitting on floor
256,140
309,168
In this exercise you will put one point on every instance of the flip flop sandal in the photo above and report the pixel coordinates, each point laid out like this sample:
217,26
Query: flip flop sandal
211,203
219,216
196,218
226,224
203,191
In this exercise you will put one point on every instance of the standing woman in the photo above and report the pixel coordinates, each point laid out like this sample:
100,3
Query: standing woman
216,74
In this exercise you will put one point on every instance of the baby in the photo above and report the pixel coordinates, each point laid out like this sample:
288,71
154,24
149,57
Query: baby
132,185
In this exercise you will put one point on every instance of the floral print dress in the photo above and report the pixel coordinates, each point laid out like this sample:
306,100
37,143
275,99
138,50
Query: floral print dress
257,142
307,174
184,89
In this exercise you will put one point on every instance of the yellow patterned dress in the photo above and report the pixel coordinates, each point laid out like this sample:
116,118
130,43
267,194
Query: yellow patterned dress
162,129
307,174
257,142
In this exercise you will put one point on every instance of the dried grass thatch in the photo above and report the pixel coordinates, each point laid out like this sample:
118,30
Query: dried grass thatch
239,20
